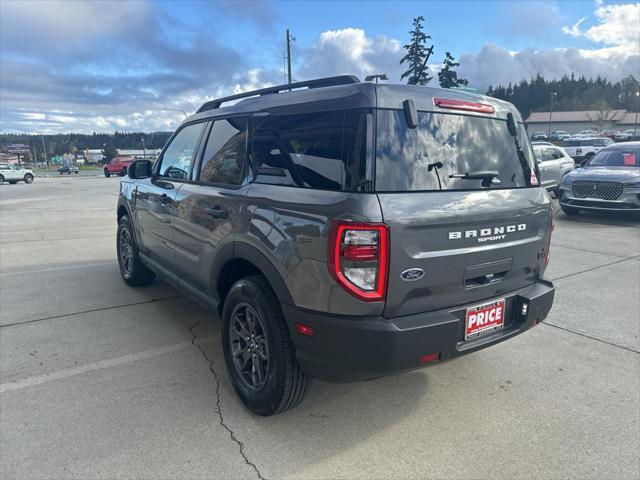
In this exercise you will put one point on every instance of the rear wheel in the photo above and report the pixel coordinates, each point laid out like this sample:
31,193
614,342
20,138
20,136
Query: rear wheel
569,210
1,179
28,178
258,350
123,172
107,173
133,271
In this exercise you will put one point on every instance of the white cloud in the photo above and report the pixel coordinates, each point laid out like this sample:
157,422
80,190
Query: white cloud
574,31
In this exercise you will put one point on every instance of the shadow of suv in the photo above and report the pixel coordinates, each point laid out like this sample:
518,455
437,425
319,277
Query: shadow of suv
344,230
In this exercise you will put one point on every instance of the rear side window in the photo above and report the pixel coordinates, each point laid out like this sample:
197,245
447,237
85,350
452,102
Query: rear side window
224,157
449,152
323,150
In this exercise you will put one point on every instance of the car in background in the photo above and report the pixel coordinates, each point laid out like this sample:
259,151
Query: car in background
68,170
559,135
117,166
554,163
543,143
12,174
610,133
589,133
582,149
628,135
609,181
538,136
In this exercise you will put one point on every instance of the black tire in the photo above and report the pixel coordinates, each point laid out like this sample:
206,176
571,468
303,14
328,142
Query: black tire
283,384
569,210
1,179
123,172
107,173
133,271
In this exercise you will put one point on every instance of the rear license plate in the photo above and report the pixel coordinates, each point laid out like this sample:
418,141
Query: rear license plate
484,319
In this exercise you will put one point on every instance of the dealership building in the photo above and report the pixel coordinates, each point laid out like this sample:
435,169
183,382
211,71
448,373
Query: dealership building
573,122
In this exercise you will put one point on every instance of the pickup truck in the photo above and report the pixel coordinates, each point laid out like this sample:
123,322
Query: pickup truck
117,166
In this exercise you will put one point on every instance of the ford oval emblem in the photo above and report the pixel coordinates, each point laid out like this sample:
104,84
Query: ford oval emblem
412,274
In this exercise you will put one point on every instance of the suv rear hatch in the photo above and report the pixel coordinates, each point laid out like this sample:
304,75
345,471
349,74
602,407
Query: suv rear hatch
466,224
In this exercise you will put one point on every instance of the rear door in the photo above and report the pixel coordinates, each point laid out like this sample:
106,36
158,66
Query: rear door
470,240
207,209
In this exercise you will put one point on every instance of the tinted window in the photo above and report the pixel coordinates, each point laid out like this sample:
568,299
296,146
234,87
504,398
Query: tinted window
324,150
445,147
616,158
224,157
177,157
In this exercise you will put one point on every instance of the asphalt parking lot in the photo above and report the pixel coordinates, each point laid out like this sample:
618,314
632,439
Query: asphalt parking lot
100,380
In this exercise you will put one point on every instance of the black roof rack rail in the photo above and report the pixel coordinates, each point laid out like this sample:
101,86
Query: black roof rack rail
317,83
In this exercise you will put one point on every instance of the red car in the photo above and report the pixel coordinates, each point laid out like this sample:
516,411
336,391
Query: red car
610,133
117,166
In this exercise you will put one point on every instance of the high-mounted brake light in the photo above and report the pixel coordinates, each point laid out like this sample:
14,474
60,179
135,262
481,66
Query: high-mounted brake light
463,105
359,257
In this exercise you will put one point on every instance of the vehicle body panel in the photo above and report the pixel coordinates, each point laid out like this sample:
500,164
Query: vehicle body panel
13,173
118,165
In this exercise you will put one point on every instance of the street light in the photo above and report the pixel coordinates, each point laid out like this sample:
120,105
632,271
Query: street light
144,150
176,110
635,127
553,94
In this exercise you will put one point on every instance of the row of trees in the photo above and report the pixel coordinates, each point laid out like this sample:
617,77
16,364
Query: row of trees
571,93
62,143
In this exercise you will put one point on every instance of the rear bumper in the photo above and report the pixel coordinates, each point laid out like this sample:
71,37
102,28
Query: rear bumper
346,349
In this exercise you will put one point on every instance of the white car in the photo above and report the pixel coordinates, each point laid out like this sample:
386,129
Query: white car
12,174
582,149
554,163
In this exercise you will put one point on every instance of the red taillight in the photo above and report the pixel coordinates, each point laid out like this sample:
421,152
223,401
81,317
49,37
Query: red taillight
359,257
305,330
463,105
432,357
547,255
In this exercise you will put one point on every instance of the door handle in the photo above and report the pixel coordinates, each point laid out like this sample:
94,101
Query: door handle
165,200
216,212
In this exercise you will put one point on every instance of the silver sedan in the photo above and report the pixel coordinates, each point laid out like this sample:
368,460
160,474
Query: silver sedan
609,181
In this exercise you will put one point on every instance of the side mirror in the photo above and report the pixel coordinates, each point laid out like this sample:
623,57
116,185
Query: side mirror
139,169
410,113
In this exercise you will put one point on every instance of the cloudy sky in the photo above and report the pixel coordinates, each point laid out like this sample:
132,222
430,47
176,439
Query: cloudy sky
115,65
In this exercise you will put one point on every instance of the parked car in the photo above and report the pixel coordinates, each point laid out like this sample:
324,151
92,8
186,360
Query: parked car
542,143
559,135
554,163
582,149
628,135
609,181
610,133
588,133
117,166
12,174
538,136
344,231
68,169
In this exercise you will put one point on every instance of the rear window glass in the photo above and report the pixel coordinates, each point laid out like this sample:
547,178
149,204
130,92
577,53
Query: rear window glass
616,158
444,148
323,150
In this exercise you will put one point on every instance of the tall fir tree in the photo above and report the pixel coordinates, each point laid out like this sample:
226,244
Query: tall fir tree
448,77
109,152
417,52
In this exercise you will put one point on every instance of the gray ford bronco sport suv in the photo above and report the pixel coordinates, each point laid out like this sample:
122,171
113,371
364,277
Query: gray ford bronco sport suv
344,230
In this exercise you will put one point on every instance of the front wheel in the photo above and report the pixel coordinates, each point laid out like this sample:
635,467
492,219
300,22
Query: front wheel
28,178
258,350
1,179
107,173
133,271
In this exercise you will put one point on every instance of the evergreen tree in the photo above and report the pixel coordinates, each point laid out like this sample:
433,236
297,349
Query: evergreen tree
448,77
416,55
109,152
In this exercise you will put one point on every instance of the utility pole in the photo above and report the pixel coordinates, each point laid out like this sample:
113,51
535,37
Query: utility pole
144,150
635,127
553,94
288,57
44,151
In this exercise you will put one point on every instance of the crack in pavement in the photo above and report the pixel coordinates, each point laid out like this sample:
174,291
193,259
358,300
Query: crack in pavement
92,310
590,337
561,277
232,434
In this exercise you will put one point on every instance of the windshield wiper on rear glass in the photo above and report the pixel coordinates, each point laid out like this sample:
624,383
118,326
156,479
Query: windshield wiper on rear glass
487,176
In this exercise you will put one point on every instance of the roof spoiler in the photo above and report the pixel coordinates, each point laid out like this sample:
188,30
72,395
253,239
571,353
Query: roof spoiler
317,83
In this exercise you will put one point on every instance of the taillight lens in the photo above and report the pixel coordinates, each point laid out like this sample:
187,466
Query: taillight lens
552,227
359,258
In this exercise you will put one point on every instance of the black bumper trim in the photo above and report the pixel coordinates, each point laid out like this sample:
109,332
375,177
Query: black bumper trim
346,349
